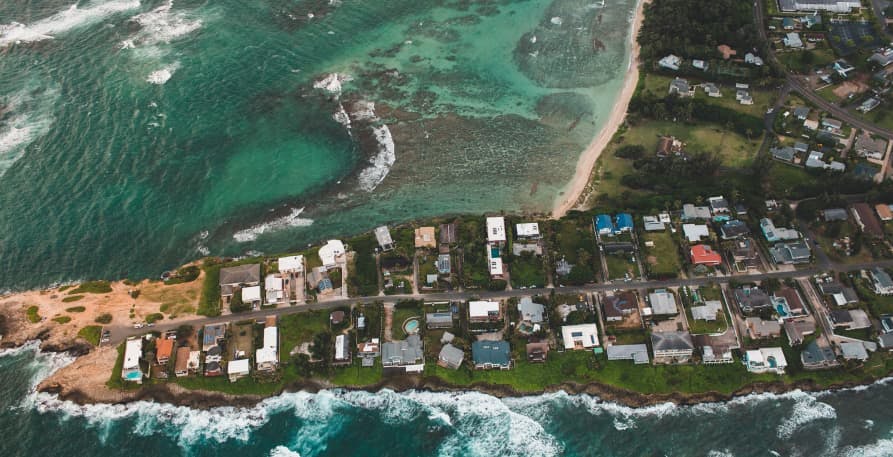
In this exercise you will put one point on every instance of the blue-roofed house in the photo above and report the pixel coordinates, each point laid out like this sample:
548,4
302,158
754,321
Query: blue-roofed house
624,223
787,23
604,225
490,355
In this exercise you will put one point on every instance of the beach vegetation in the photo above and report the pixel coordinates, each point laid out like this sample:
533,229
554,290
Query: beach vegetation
154,317
72,298
183,275
33,315
363,277
527,270
62,319
92,287
104,318
75,309
92,333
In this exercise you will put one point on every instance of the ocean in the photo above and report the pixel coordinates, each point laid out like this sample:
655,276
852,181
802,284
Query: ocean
136,135
853,422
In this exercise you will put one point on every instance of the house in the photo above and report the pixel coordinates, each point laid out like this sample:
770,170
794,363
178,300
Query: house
405,355
881,281
883,57
841,295
604,225
251,296
815,357
530,311
711,90
792,40
494,264
672,347
790,301
745,251
702,254
668,145
581,336
869,104
801,147
212,335
787,23
267,357
759,329
164,348
716,354
491,355
811,20
331,252
319,280
743,97
342,350
853,319
726,51
444,266
291,264
790,253
706,312
238,369
796,329
784,154
424,237
537,352
619,305
871,148
752,299
700,64
234,278
383,236
653,224
801,112
884,212
447,235
638,353
718,205
885,340
496,230
831,124
765,360
814,160
133,352
483,311
834,214
369,349
528,231
181,364
670,62
852,350
811,124
450,357
867,221
274,290
663,303
680,87
439,320
753,59
690,212
773,233
694,232
734,229
624,223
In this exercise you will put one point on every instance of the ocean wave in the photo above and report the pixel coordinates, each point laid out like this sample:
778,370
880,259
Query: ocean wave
43,364
880,448
163,75
162,25
282,451
63,21
342,117
382,162
807,409
332,83
293,219
31,118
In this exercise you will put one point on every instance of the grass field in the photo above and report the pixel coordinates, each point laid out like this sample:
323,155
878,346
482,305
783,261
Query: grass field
91,333
735,150
663,258
300,328
620,265
659,84
400,315
528,271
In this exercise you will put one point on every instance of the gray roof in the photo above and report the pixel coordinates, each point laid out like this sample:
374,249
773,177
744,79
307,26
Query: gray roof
638,353
491,353
791,252
834,214
531,311
406,352
240,274
752,298
786,153
452,355
439,318
815,355
801,112
854,351
383,236
886,340
662,302
882,278
672,341
708,311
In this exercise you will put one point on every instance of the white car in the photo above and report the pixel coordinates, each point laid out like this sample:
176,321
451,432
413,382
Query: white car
140,325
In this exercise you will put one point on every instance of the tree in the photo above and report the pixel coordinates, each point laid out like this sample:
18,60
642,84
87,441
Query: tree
236,305
322,346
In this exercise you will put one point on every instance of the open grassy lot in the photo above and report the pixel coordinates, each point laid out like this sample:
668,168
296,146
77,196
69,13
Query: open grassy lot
574,241
662,259
300,328
734,150
804,61
400,316
363,273
527,271
91,333
619,265
659,85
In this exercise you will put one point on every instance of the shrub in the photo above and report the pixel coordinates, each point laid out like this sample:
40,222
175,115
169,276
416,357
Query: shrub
91,333
154,317
184,275
209,304
75,309
62,319
33,316
134,293
72,298
92,287
104,318
630,151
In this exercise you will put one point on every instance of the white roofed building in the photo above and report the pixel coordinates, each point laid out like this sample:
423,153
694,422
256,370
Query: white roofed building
582,336
133,352
251,295
765,360
483,311
383,236
291,264
267,357
330,253
695,232
496,230
274,290
530,231
238,369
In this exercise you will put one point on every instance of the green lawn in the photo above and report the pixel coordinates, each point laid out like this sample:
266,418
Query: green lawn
91,333
661,260
300,328
400,315
92,287
356,375
527,271
794,60
620,265
878,304
659,85
735,150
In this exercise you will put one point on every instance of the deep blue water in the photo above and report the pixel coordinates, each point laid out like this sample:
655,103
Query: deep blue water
855,422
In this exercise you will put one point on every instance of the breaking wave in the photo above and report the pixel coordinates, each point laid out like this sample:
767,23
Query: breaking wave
63,21
31,117
163,75
382,162
162,25
293,219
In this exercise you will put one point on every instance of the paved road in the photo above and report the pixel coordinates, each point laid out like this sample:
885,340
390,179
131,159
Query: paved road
119,333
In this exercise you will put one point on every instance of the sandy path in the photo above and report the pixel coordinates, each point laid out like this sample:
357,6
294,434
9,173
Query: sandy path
574,190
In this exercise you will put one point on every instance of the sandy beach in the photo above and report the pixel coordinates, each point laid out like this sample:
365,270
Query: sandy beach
576,188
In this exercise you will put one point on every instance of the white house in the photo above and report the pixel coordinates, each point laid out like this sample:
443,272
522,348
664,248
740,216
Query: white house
267,357
765,360
496,230
274,289
528,230
131,370
483,310
251,295
694,232
330,253
792,40
291,264
582,336
238,369
671,62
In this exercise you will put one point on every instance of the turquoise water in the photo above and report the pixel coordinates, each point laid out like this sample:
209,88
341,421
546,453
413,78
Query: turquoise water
146,133
411,326
850,423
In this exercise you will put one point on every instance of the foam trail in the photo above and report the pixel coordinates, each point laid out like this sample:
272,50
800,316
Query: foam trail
382,162
62,22
159,77
282,451
293,219
31,116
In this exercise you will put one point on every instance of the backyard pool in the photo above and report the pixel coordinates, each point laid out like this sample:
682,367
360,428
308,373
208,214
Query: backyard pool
411,326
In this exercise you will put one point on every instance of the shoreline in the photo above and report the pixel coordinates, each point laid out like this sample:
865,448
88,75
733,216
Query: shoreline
576,189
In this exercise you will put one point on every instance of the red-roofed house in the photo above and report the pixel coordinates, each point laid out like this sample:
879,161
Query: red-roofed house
701,254
163,350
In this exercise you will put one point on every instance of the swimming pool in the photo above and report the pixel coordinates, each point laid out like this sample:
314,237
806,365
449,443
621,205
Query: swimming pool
411,326
782,311
132,376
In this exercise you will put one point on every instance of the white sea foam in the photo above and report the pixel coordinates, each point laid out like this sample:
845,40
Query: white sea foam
720,453
880,448
282,451
556,20
382,162
63,21
31,117
163,25
293,219
342,117
332,83
807,409
163,75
